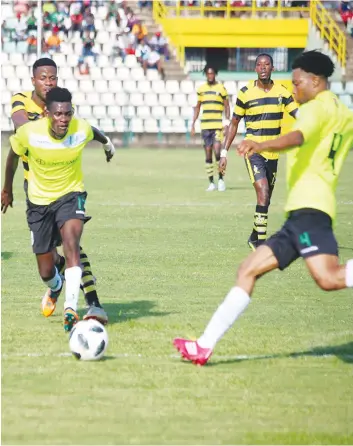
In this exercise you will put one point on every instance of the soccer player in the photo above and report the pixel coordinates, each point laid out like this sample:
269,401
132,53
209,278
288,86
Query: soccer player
261,103
213,98
56,194
29,106
317,147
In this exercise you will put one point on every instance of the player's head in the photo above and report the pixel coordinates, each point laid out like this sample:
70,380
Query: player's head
45,76
59,110
210,72
264,67
311,71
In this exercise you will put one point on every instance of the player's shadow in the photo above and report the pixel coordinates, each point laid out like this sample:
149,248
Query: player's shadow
126,311
5,255
344,352
240,187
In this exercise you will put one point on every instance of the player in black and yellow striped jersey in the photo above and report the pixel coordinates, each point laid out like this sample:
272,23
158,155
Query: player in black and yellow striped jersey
213,98
262,104
29,106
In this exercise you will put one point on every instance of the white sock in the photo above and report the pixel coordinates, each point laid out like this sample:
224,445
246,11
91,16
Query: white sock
72,288
55,283
349,274
226,314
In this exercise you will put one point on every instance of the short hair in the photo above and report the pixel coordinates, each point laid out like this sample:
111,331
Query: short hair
264,55
210,67
57,94
44,62
315,62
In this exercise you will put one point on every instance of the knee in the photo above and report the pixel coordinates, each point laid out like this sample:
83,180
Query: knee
46,272
245,270
325,280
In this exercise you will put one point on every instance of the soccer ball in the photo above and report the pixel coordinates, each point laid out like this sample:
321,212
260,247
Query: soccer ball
88,340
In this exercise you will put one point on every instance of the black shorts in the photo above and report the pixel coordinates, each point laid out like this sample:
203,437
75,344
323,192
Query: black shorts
210,137
306,233
45,221
260,167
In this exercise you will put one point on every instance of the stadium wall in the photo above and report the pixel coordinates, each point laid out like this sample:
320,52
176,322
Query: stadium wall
242,33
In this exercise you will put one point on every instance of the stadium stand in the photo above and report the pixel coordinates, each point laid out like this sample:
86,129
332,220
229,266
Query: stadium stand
97,49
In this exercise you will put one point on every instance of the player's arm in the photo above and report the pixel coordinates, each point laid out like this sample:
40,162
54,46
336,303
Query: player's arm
308,125
18,111
105,140
226,106
10,170
290,106
197,109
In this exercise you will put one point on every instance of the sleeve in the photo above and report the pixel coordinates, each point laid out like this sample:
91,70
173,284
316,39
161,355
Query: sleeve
309,120
239,109
199,95
290,105
89,132
224,92
18,141
17,103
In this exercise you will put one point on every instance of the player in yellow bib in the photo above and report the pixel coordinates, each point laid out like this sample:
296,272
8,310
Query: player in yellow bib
56,193
317,148
262,104
29,106
213,98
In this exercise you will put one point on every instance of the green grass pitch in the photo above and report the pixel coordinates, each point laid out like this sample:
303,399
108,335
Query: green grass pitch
165,254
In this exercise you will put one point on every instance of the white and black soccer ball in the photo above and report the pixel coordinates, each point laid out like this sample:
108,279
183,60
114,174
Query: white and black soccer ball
88,340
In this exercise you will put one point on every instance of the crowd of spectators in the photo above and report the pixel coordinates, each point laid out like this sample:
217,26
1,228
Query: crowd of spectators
62,20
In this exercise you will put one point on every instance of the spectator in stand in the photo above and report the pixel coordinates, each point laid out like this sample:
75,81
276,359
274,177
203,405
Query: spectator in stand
346,12
21,7
32,43
54,41
59,19
139,30
20,30
131,18
49,6
31,22
113,9
154,61
142,52
76,22
160,44
88,44
119,47
46,22
145,4
88,22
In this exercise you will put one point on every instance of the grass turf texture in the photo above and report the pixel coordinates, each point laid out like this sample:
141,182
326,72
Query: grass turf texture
165,254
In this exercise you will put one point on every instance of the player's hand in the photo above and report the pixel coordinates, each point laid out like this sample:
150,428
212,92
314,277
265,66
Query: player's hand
248,148
222,165
6,200
109,149
193,131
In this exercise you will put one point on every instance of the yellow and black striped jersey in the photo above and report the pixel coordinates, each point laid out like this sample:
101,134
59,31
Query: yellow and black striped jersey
212,99
24,101
263,112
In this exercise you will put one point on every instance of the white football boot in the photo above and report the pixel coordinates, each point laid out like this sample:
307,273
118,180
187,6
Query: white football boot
211,187
221,186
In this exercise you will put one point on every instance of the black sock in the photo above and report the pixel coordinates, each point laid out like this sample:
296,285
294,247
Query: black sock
260,223
60,266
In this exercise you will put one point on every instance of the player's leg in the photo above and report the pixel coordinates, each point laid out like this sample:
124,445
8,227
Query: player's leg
318,246
257,170
278,252
70,217
71,232
207,136
271,174
217,151
42,226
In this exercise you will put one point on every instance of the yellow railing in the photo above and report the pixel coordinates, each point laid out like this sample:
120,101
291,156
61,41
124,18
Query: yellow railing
319,16
329,30
164,11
